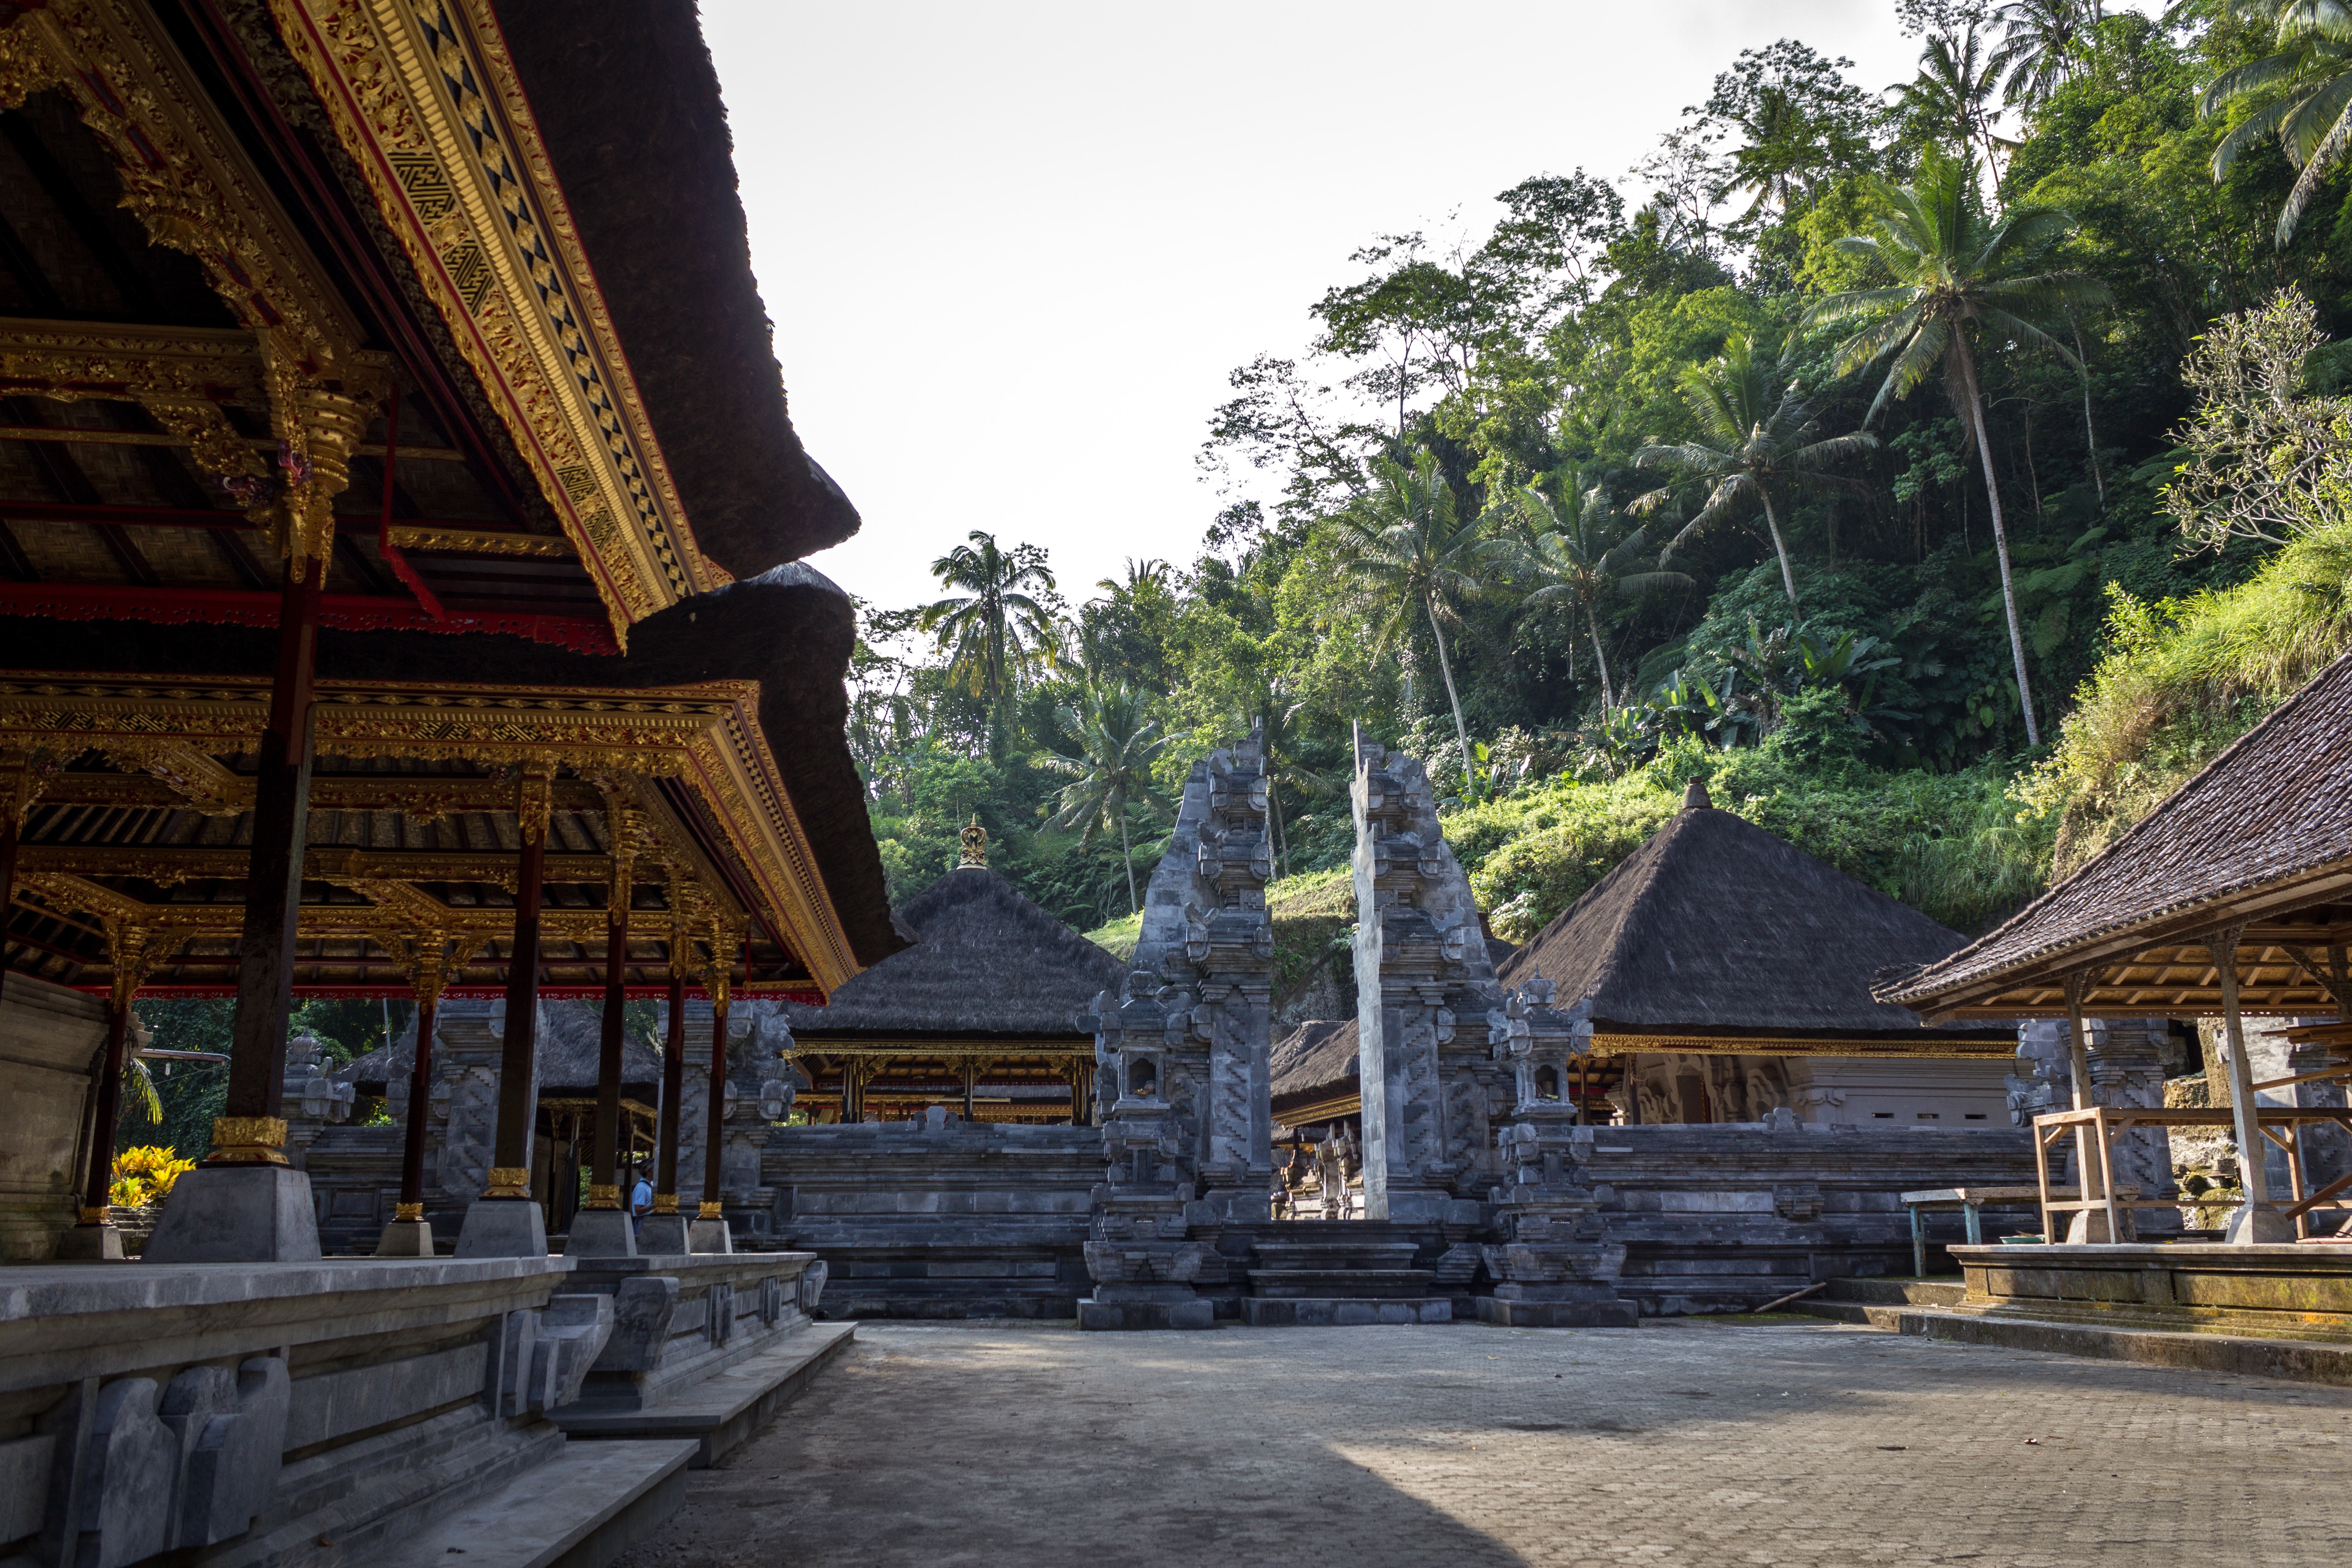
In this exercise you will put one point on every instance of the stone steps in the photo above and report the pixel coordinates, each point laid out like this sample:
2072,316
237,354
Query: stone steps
1880,1302
1369,1284
721,1411
582,1509
1333,1272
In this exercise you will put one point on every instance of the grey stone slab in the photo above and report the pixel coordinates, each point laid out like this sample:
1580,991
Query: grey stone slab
601,1232
335,1404
664,1234
25,1467
729,1406
1558,1314
238,1214
406,1238
1341,1311
503,1227
582,1510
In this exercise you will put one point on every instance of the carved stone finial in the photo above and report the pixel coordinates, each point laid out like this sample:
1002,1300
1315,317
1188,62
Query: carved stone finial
1695,798
975,845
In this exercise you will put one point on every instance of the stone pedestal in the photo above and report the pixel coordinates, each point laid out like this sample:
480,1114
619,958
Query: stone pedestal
601,1232
405,1238
238,1214
1145,1307
709,1236
2259,1227
663,1235
90,1244
503,1227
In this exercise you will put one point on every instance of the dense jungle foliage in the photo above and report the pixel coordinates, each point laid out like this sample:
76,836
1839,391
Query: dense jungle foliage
1885,465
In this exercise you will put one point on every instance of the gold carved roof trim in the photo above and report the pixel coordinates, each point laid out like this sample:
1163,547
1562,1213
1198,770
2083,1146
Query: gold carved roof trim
426,99
1929,1044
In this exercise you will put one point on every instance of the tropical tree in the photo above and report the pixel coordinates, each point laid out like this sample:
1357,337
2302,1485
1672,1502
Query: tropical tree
995,628
1578,551
1955,94
1755,438
1117,743
2301,94
1273,716
1957,272
1406,549
2041,46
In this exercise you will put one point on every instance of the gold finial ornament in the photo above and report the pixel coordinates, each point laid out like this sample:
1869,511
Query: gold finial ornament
711,1211
665,1203
975,844
408,1211
508,1182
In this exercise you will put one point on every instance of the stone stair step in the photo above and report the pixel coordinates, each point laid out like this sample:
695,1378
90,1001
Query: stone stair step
589,1504
1895,1292
1385,1284
1262,1312
722,1410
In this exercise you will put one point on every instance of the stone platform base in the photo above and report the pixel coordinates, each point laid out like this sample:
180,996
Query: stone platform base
1317,1312
1113,1315
721,1411
2241,1355
581,1509
1558,1314
2282,1293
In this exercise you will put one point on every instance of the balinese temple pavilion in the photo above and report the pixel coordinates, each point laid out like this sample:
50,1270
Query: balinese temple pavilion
979,1015
398,519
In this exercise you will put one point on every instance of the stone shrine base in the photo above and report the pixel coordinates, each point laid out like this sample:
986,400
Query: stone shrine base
2284,1291
1594,1314
1342,1311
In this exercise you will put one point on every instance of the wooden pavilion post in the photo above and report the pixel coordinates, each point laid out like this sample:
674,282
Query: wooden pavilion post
2257,1221
505,1221
709,1233
603,1229
665,1230
408,1233
19,784
93,1236
245,1203
972,1086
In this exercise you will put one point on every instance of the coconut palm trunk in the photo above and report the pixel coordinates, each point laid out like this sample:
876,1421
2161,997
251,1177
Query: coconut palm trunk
1445,668
2000,534
1780,545
1601,657
1127,858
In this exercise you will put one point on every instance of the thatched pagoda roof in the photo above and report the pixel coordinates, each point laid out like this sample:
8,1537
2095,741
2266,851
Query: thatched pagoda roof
986,961
1717,927
2262,835
1316,1062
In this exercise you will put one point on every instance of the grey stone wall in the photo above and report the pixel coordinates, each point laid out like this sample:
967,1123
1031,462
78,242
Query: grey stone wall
50,1039
936,1217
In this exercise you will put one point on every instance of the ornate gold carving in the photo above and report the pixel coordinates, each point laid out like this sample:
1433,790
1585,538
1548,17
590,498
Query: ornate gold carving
534,793
481,542
201,782
247,1141
706,735
603,1197
665,1203
427,103
709,1211
411,1212
508,1182
102,1215
132,956
974,841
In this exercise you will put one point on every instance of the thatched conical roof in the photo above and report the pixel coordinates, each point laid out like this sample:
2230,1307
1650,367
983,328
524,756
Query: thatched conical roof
1317,1061
1716,926
986,961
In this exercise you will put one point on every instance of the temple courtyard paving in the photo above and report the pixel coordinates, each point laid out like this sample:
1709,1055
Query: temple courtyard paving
1680,1441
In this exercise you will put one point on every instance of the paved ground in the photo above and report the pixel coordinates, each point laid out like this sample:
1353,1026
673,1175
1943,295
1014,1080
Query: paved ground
1467,1447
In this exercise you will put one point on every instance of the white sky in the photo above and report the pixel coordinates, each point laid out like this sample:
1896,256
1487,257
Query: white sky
1012,251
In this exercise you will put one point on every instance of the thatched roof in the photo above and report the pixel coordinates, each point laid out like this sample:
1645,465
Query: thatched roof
571,1048
627,102
986,961
1317,1061
2262,834
1716,926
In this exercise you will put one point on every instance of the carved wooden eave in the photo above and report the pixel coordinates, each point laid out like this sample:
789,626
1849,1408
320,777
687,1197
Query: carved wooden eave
426,99
657,751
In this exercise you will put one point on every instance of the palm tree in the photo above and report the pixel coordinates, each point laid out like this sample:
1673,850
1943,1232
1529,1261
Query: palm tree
1272,715
1752,440
995,627
1954,92
2041,46
1405,547
1579,553
2302,94
1957,272
1116,744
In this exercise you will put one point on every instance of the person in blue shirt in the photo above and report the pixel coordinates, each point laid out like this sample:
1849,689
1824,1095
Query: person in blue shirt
641,1204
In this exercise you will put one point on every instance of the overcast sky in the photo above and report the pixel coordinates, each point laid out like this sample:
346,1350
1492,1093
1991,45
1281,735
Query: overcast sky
1012,251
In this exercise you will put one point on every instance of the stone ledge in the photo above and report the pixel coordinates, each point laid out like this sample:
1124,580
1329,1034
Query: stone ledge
582,1510
723,1409
1261,1313
2244,1355
1559,1314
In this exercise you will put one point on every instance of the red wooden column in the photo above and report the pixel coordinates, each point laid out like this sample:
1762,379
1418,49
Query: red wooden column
18,788
249,1130
665,1230
603,1227
519,1062
408,1235
715,1136
93,1236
